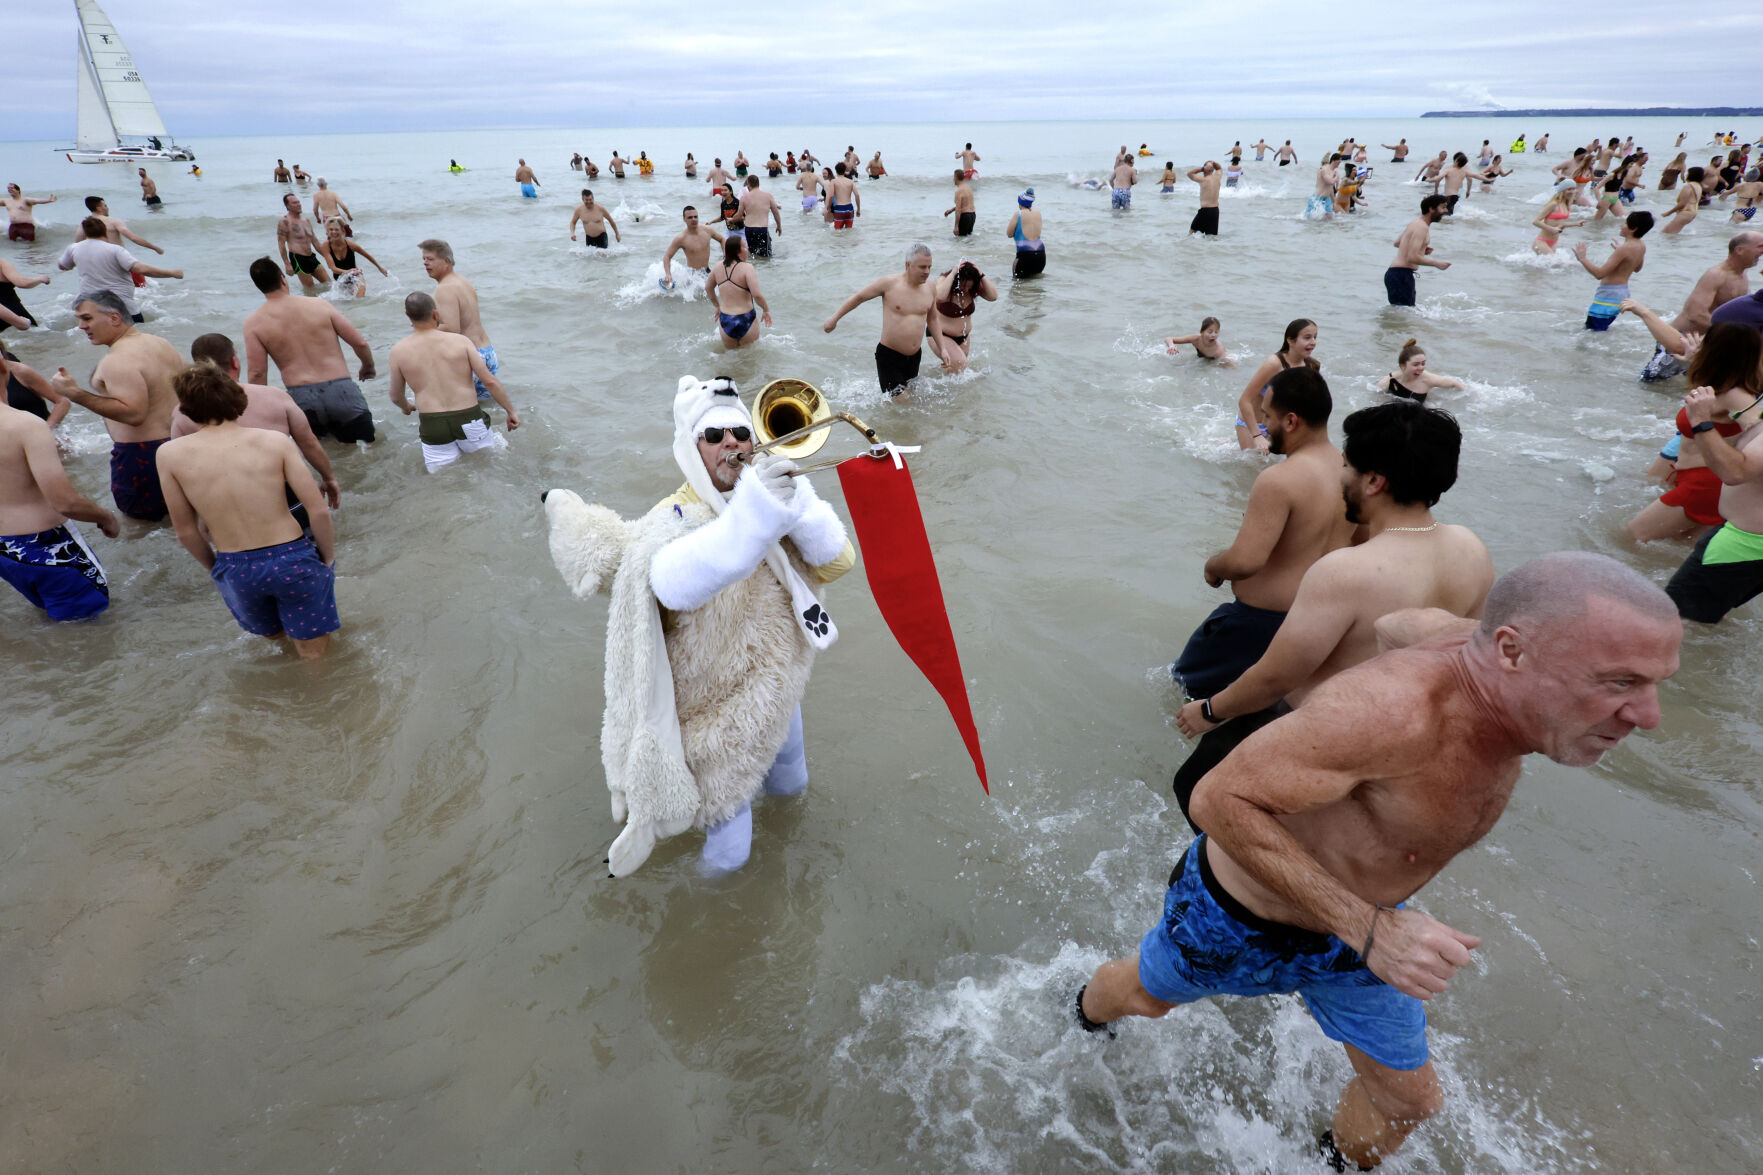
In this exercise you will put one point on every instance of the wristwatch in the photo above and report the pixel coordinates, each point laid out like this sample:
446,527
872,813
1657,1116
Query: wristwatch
1206,710
1702,427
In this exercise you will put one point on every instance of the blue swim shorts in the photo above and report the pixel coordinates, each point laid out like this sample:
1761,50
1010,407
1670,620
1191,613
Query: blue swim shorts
1209,944
490,361
281,589
56,571
1120,198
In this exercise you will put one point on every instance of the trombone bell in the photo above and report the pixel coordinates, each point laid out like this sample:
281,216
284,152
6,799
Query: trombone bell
784,406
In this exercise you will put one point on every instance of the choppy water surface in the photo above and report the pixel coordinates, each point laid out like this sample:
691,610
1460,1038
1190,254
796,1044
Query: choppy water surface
260,915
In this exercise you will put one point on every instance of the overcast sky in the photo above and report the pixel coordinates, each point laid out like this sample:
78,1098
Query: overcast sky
250,66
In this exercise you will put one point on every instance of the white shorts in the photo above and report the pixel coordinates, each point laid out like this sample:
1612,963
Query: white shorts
810,203
477,435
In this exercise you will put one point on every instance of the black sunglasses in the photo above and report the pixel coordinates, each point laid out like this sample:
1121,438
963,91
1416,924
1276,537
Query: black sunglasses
740,432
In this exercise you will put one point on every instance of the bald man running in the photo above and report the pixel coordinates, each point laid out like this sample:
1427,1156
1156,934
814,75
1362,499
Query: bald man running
1320,826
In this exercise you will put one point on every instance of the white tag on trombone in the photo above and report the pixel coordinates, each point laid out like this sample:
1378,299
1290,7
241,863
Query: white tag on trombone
894,451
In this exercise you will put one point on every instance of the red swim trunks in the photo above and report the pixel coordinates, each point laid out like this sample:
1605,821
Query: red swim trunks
1697,494
18,231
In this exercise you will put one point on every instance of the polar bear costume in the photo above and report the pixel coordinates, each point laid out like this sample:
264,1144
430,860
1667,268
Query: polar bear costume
717,612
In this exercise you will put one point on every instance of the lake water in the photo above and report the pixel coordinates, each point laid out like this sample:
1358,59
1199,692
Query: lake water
267,916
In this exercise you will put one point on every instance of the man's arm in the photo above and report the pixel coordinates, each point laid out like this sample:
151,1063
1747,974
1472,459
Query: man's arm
281,243
493,386
872,290
1194,174
447,308
256,357
124,398
667,257
145,270
345,209
1355,732
318,515
396,377
1264,520
616,235
307,442
1413,626
122,230
356,340
183,515
51,478
574,219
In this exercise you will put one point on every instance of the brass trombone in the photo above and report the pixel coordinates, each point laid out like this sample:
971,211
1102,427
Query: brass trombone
792,419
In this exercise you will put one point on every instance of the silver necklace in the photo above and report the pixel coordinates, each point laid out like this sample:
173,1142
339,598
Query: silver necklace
1411,529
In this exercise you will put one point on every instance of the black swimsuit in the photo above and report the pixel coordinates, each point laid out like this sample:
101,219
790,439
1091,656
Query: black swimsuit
1396,389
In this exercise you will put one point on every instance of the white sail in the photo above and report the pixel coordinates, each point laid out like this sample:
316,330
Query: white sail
95,131
130,106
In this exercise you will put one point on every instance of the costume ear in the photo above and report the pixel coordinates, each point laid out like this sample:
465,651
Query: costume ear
687,381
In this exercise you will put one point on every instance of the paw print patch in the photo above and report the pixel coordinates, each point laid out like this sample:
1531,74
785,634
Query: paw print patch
816,620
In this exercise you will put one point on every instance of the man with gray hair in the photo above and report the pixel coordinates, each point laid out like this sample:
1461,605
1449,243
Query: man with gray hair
1322,824
330,206
456,301
1712,290
440,368
909,314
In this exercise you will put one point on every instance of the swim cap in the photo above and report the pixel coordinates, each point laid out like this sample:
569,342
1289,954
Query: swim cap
1027,199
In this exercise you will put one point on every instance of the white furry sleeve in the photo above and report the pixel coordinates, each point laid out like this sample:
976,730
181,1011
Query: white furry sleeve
818,533
688,572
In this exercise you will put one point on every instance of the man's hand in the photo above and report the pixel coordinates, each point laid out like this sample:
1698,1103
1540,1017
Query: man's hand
513,420
367,371
1212,581
1579,251
1699,405
333,493
1415,954
1191,722
289,269
109,525
62,383
829,324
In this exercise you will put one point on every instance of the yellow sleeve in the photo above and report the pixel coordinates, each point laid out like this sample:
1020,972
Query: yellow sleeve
847,559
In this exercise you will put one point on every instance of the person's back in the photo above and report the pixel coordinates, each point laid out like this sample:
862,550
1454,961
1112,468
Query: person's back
299,334
437,365
457,298
1309,482
233,477
24,509
268,408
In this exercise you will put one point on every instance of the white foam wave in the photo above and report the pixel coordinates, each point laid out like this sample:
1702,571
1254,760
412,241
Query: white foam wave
1560,259
627,213
688,285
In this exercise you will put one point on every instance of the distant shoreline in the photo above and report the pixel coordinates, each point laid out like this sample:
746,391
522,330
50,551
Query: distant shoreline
1602,111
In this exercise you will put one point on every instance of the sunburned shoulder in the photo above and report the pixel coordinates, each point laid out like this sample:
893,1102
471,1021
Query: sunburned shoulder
1406,689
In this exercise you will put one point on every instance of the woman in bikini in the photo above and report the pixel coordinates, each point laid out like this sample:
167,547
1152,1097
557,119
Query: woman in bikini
1300,342
342,255
735,300
1411,380
1727,361
1551,220
957,294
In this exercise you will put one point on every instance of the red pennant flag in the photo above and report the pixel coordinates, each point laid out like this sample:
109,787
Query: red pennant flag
903,578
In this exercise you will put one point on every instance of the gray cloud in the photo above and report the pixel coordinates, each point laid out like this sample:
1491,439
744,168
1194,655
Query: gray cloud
257,67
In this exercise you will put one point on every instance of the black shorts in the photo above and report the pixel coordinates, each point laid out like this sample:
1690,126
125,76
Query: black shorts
595,242
895,370
758,241
1205,222
1399,283
303,262
1223,648
1450,205
1029,262
1706,592
1213,746
964,224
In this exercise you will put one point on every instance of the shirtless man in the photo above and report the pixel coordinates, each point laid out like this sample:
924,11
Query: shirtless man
844,205
23,226
131,390
269,408
593,219
1285,154
442,369
963,209
1689,201
717,176
1456,180
1431,170
875,168
1624,262
456,302
329,206
116,232
149,189
1541,146
1260,147
694,240
298,242
1400,459
1398,150
1294,517
757,205
616,163
529,183
227,485
1320,205
1712,290
304,337
909,314
1413,250
1209,176
1322,824
1120,185
968,157
41,554
282,174
808,183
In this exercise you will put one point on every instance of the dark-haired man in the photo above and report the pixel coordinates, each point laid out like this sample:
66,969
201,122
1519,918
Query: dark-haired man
963,209
593,218
757,206
1294,517
116,231
226,486
298,242
131,390
302,336
1624,262
1322,825
440,368
1398,461
694,241
1414,249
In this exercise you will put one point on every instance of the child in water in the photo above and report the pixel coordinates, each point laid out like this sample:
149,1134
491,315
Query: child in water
1206,343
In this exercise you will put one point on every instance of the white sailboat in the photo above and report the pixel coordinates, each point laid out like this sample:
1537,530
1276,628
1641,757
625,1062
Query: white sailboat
118,121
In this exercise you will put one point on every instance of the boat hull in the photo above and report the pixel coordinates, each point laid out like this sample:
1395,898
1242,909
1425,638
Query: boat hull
130,155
